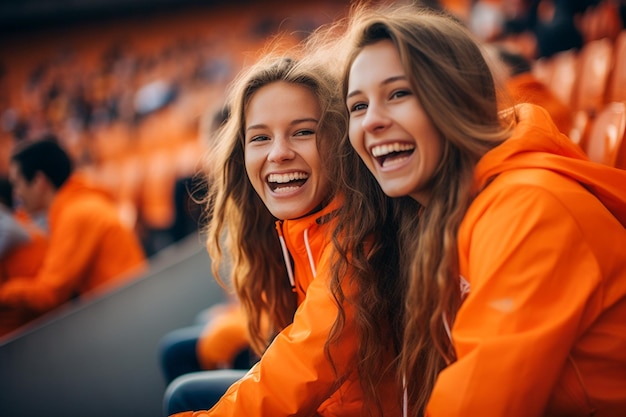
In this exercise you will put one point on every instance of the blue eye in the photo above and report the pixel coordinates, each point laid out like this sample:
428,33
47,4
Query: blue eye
400,93
358,107
259,138
304,132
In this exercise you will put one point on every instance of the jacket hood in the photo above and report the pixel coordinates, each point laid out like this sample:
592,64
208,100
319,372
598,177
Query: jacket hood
537,143
79,183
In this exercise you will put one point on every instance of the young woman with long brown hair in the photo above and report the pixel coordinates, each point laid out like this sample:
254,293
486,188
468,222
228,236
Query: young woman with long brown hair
512,240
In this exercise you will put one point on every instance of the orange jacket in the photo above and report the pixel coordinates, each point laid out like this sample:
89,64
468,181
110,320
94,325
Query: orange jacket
527,88
88,246
542,330
23,261
294,376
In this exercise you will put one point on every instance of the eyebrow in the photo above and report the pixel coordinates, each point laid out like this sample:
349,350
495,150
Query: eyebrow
385,82
292,123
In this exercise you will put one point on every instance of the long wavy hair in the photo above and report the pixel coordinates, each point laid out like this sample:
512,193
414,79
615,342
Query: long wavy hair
241,235
451,79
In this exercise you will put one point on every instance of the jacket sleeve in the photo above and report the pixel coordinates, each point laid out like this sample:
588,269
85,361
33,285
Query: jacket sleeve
294,376
531,275
73,243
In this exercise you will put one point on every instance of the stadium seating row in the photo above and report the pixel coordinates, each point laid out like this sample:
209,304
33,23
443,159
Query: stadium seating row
592,82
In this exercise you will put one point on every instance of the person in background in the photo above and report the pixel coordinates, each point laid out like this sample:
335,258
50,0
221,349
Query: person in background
542,28
88,245
218,339
516,274
272,204
23,245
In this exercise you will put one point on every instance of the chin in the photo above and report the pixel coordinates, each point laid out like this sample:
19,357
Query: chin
394,192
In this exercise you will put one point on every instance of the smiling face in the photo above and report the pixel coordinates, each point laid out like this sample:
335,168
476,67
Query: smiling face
281,155
388,126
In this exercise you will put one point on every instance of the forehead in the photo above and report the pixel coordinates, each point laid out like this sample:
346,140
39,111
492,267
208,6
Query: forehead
295,101
375,63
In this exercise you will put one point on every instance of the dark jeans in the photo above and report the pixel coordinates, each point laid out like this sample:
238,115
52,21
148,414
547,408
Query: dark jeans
198,390
178,352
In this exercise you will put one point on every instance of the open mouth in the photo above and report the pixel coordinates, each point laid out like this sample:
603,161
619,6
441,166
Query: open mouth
284,183
393,153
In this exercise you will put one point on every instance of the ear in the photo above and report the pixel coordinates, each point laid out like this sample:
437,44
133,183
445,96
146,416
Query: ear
41,182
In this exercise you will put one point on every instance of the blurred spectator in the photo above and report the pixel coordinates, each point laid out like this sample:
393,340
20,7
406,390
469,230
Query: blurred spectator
22,248
515,72
218,340
88,244
542,28
219,337
602,20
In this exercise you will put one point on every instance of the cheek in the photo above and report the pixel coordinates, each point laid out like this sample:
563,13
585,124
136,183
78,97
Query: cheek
354,134
252,168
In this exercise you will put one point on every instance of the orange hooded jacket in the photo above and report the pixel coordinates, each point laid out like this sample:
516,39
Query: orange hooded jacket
294,376
542,330
88,247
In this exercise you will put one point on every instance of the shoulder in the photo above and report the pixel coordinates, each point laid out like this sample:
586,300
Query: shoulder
534,201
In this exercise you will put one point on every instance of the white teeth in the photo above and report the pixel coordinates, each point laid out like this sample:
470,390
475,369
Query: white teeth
286,189
382,150
283,178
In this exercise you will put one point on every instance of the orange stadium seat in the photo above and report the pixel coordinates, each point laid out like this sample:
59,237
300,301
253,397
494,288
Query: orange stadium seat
580,128
606,143
595,60
563,70
616,90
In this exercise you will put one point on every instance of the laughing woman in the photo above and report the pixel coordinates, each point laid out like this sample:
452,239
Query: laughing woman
516,299
273,203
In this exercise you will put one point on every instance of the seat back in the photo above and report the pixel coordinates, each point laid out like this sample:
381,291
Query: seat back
594,65
605,143
616,90
563,75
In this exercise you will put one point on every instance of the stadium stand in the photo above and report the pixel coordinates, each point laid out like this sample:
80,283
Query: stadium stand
99,357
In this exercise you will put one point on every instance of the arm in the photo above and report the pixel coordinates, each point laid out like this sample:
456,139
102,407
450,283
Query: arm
531,274
294,376
71,247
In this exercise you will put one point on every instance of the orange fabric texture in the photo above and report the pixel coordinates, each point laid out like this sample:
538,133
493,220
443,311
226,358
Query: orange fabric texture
542,329
88,247
22,261
527,88
294,375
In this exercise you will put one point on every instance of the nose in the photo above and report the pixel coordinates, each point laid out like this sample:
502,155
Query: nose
280,151
375,119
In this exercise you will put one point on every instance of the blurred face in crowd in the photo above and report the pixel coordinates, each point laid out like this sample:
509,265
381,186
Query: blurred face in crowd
388,126
281,155
28,195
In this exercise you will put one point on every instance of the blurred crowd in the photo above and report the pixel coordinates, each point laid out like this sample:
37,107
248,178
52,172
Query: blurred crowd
132,102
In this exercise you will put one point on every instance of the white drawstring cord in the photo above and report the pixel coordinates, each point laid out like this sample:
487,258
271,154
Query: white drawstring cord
287,261
309,253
